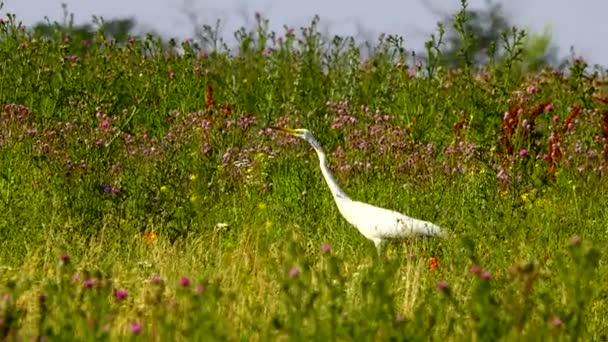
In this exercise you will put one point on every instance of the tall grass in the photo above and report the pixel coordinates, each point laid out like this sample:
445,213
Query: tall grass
143,197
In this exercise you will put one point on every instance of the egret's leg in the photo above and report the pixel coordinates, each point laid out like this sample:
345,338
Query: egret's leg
378,244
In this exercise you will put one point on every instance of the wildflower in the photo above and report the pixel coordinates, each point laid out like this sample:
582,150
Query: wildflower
523,153
294,272
433,263
89,283
575,240
326,248
549,108
531,89
136,327
65,259
106,188
555,118
443,286
121,294
502,175
151,236
104,124
475,270
555,321
486,275
155,279
184,282
171,75
200,290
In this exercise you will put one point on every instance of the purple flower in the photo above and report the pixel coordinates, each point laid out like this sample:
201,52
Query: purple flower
65,259
523,153
89,283
106,188
326,248
184,282
136,327
121,294
294,272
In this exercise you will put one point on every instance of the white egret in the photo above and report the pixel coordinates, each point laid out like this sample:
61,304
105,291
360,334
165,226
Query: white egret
375,223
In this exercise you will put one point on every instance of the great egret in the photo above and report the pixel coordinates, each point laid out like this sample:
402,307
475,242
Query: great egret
375,223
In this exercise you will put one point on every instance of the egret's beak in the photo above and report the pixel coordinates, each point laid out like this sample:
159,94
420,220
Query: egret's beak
284,130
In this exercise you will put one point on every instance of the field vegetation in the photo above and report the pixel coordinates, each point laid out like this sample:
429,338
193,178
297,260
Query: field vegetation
142,195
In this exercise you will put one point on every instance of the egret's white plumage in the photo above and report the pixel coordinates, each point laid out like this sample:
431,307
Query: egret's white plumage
375,223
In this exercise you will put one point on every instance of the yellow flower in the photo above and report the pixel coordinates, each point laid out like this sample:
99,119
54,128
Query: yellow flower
163,188
504,194
192,177
527,197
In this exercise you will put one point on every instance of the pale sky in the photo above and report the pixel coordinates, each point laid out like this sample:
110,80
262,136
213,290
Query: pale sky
582,24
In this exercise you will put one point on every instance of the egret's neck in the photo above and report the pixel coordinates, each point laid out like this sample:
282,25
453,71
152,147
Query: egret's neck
335,189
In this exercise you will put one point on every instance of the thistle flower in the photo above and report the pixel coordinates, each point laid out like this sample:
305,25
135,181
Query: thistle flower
523,153
89,283
121,294
136,327
184,282
65,259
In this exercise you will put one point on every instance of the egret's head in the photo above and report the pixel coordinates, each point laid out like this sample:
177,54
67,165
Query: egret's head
302,133
298,132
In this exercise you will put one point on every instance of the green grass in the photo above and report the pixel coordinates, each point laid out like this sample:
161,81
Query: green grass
146,165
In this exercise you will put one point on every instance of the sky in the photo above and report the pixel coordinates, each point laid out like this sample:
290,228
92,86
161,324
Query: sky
581,24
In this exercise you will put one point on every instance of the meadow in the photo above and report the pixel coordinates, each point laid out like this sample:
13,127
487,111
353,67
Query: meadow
143,197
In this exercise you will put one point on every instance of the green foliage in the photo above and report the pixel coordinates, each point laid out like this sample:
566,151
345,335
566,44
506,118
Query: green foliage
141,195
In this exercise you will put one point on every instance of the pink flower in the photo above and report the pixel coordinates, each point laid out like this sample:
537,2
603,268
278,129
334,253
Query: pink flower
294,272
443,286
486,275
184,282
531,89
523,153
155,279
121,294
475,269
556,321
136,327
326,248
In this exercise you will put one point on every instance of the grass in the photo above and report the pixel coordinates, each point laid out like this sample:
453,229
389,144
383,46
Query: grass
142,196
